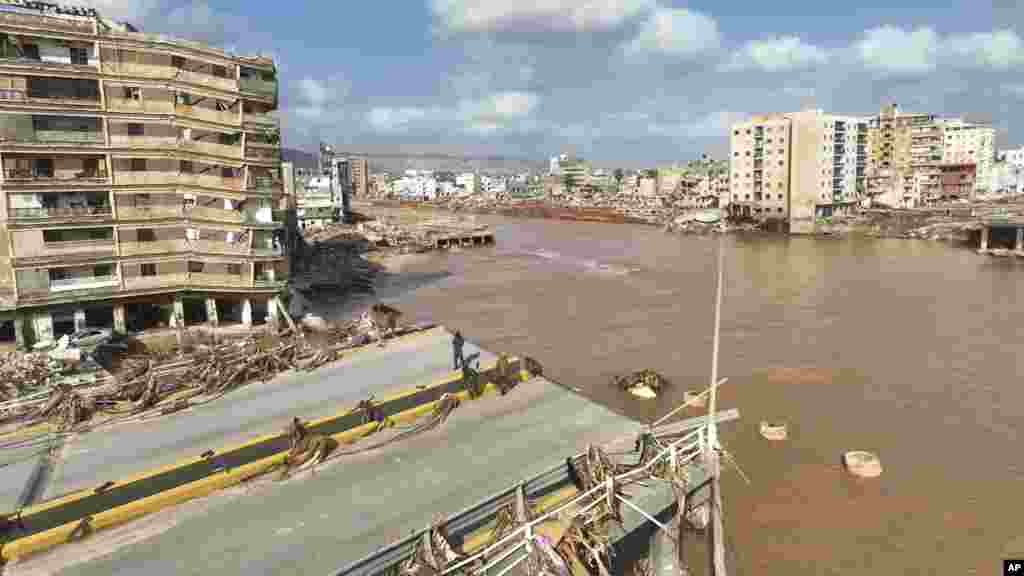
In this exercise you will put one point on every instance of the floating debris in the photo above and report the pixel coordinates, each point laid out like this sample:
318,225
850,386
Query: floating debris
698,399
863,464
774,430
645,384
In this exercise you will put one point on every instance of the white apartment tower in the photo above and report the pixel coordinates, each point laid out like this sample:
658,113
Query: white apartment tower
967,143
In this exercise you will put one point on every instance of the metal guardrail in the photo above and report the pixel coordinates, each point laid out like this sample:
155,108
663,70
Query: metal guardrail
465,522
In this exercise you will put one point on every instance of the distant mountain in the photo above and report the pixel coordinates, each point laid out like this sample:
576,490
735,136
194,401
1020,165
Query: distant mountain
300,158
399,161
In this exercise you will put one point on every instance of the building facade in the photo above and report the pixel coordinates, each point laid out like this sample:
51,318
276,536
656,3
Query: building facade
360,171
140,179
797,167
968,143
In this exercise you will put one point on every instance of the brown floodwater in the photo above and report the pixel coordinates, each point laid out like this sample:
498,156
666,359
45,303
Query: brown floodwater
908,349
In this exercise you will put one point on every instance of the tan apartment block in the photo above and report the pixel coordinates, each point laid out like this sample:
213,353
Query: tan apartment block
140,176
760,157
360,174
797,167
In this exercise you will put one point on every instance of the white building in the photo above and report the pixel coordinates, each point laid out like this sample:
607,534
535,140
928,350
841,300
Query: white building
315,204
966,143
468,181
1012,157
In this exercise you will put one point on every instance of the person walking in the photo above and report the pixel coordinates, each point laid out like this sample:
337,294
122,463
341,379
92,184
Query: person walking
457,343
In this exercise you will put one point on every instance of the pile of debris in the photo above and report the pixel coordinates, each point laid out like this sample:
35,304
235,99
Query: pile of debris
643,383
22,372
947,231
153,385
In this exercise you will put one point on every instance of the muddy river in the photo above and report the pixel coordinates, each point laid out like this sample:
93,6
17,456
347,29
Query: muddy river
905,348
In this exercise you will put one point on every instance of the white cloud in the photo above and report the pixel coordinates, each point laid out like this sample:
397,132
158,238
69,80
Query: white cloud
892,49
1000,49
498,111
677,32
777,54
547,15
394,119
320,100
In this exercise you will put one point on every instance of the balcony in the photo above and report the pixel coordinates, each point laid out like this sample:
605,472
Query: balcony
200,113
59,137
84,283
153,247
265,120
145,177
267,251
80,26
211,181
262,154
64,252
140,106
158,212
43,214
27,176
219,279
140,70
203,79
258,86
216,214
156,281
213,148
219,247
22,97
143,141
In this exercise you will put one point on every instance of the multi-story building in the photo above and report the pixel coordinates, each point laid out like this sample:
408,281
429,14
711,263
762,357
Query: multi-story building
140,176
1012,157
468,181
968,143
360,171
905,150
315,204
797,167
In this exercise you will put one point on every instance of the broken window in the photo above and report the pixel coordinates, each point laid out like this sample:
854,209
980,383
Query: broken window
134,129
138,165
146,235
178,62
30,51
235,269
187,167
195,266
220,71
43,167
131,93
148,269
79,56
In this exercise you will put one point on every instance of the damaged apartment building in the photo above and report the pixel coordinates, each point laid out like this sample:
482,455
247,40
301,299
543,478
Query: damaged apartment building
141,179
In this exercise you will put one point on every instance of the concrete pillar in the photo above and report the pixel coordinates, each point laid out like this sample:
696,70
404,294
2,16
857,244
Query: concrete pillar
178,314
42,324
984,238
120,325
247,312
1019,245
211,311
80,319
20,337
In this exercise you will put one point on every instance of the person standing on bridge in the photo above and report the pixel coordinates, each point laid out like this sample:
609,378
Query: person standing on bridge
457,343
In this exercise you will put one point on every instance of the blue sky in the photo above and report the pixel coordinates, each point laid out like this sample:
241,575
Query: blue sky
628,82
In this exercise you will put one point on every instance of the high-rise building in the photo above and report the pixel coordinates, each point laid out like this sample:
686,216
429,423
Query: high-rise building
140,179
968,143
360,176
797,167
